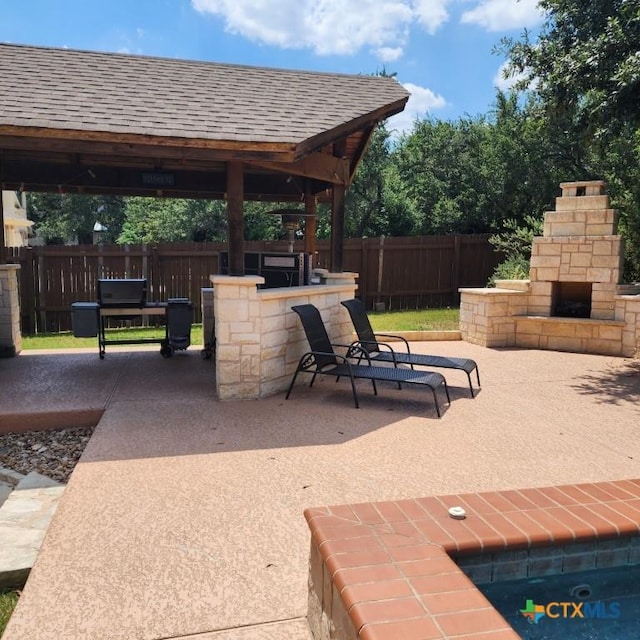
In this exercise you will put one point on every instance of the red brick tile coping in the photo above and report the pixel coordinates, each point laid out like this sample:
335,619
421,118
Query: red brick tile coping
384,570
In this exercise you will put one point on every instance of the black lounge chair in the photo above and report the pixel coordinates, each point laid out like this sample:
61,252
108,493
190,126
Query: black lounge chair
383,352
322,359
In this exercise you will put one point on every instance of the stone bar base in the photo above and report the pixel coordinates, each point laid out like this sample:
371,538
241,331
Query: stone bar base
259,340
10,337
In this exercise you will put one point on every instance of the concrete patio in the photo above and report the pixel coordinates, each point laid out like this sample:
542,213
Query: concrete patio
184,517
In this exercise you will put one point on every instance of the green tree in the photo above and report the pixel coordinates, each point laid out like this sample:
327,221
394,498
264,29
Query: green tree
261,225
471,175
172,220
60,218
376,202
584,73
585,63
184,220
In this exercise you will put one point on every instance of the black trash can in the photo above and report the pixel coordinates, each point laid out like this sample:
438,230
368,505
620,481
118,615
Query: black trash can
179,316
85,319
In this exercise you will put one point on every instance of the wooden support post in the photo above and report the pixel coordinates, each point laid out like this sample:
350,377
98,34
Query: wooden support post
337,228
3,250
235,217
337,215
310,225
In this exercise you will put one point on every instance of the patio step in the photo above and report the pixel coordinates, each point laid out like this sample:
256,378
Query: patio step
5,491
24,519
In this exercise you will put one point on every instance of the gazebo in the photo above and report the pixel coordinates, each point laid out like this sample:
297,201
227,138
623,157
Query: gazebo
89,122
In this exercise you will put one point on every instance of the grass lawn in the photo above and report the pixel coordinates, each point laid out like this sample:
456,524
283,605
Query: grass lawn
389,321
65,340
423,320
8,600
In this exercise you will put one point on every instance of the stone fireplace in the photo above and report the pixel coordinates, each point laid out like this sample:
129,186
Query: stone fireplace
574,299
576,265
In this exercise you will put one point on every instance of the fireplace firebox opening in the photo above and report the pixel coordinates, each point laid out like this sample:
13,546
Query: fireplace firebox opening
571,299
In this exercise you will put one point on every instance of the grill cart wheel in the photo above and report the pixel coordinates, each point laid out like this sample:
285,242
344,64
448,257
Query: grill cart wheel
166,350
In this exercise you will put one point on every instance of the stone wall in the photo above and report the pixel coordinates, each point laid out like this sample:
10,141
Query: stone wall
259,340
10,337
487,316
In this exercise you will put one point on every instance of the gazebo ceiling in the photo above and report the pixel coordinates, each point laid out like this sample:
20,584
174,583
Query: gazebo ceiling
88,122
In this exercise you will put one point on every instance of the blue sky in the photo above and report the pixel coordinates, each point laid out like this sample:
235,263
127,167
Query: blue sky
441,50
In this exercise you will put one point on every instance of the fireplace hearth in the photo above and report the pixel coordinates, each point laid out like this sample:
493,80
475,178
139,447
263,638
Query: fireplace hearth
571,299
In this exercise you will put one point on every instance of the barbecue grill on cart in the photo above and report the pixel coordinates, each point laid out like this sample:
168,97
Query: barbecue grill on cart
126,298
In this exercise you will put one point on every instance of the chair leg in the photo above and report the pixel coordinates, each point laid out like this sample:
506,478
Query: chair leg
355,393
293,380
435,397
470,384
313,379
435,401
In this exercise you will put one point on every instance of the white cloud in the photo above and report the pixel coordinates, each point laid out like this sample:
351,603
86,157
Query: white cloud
329,26
389,54
421,102
501,15
431,14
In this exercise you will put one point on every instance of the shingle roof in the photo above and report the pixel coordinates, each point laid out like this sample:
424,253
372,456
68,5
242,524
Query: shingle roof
125,94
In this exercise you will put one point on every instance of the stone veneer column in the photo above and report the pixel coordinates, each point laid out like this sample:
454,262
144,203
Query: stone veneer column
628,311
10,337
238,336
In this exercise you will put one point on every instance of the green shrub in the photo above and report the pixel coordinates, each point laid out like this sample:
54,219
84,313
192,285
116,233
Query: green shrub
515,242
515,267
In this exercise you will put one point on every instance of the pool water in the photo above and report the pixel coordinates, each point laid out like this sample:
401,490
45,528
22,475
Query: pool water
600,604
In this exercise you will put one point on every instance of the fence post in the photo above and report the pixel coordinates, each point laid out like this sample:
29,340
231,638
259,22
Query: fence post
456,266
27,291
127,261
362,280
380,268
42,325
154,281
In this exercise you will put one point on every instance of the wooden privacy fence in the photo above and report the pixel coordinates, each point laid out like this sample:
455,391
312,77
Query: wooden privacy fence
414,272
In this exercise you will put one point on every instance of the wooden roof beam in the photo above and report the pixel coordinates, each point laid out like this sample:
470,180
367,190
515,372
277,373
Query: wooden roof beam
318,166
34,137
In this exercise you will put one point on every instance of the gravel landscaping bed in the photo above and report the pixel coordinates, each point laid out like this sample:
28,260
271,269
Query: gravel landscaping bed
52,453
